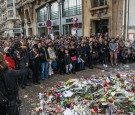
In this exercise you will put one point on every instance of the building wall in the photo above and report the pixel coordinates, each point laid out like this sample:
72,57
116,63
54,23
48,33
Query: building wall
8,18
36,26
112,11
131,18
86,17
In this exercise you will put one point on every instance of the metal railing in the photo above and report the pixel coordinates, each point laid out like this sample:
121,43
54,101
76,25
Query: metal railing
5,18
11,16
54,15
71,11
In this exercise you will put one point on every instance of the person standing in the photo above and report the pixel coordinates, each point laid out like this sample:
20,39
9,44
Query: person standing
68,62
61,60
52,57
9,88
73,54
113,51
22,63
42,61
35,63
105,51
8,59
89,55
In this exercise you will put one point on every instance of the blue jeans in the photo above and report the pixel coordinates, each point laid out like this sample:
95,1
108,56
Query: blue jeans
44,70
82,66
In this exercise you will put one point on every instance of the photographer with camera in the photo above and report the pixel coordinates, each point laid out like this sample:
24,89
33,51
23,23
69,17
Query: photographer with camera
9,99
9,59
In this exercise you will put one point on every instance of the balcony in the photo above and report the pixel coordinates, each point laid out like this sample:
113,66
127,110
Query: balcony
18,5
27,1
4,19
99,8
11,16
10,5
71,11
30,1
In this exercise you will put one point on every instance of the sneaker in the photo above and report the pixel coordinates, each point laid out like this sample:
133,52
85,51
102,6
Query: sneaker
116,64
104,65
112,65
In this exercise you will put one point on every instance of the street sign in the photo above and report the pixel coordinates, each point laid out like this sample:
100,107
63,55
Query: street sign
75,19
17,30
48,23
76,25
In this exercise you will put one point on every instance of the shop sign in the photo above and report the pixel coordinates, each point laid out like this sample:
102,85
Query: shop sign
16,30
71,20
42,25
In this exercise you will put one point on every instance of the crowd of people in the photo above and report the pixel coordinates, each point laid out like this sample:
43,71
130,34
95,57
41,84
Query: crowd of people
65,55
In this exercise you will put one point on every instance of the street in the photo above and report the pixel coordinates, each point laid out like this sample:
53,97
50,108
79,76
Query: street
29,96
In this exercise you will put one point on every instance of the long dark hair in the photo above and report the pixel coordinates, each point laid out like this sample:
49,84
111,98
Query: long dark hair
3,63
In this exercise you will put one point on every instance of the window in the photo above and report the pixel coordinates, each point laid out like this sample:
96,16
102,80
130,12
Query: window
9,3
42,14
72,7
97,3
10,13
54,10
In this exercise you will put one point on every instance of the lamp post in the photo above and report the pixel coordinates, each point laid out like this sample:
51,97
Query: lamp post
59,10
60,16
128,20
125,9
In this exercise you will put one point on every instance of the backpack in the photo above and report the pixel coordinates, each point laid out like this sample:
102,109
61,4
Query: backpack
3,91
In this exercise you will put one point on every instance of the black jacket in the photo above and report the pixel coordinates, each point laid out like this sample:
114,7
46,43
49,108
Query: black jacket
33,58
42,58
61,56
10,77
73,52
67,59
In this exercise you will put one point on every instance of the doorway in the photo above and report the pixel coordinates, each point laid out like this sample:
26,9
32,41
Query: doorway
101,26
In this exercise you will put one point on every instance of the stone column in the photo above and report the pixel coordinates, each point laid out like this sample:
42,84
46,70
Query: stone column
48,11
61,3
59,7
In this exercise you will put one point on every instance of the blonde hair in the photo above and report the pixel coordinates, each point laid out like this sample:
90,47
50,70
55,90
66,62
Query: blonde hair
3,63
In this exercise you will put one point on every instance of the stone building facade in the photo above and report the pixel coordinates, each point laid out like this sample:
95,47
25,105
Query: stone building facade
102,16
9,19
92,17
35,14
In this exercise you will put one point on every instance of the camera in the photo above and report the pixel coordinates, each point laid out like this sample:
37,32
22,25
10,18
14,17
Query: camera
15,47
